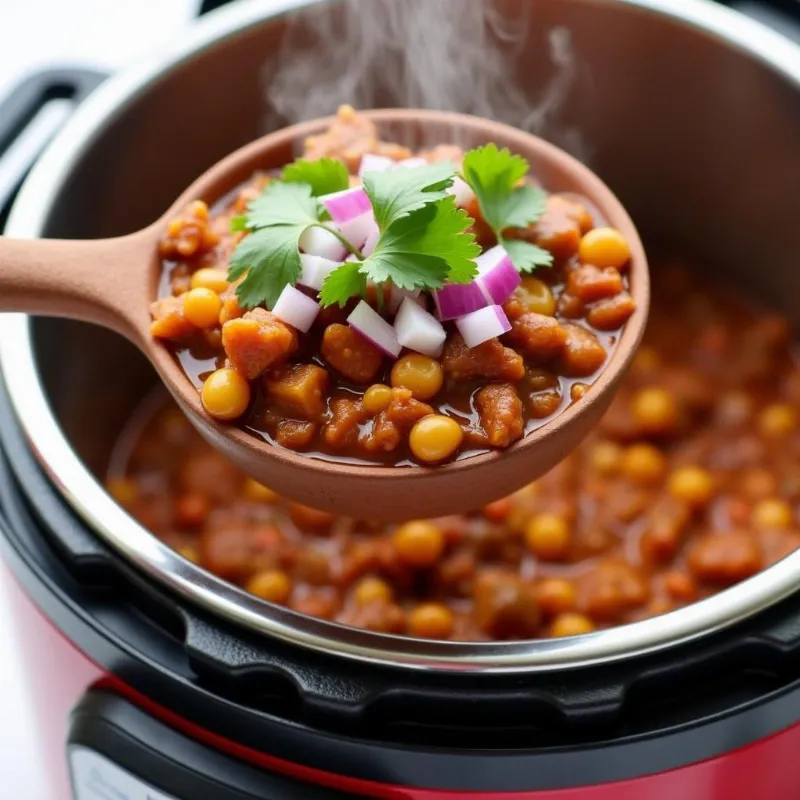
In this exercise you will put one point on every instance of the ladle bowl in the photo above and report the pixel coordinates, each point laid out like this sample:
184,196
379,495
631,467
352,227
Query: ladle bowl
112,282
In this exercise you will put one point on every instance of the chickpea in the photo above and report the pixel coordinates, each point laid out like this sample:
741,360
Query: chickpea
655,410
606,458
431,621
216,280
271,584
202,307
225,394
435,438
644,464
259,493
556,596
422,375
538,297
772,513
777,420
578,391
123,490
692,485
604,247
548,536
419,544
372,590
376,398
571,624
499,510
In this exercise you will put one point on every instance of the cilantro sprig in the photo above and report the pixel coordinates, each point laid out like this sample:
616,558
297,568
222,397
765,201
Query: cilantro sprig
495,176
425,241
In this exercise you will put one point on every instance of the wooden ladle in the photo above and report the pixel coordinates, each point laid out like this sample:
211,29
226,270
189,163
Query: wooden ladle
112,282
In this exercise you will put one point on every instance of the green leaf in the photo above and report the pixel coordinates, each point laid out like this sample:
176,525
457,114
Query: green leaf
282,204
239,223
270,257
494,176
399,191
325,176
343,283
526,256
424,249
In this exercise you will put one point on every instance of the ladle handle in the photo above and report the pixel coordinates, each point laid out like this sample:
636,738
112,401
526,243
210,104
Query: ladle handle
103,281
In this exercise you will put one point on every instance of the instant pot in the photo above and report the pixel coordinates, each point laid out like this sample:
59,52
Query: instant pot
154,680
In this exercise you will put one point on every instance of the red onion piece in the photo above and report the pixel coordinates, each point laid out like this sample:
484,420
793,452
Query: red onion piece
480,326
396,297
372,240
296,309
358,229
373,163
413,162
347,205
418,330
315,270
500,279
319,242
491,258
462,192
456,299
374,328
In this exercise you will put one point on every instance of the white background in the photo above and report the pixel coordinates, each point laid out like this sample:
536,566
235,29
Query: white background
106,34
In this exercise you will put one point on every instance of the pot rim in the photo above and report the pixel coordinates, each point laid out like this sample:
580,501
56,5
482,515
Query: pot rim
121,532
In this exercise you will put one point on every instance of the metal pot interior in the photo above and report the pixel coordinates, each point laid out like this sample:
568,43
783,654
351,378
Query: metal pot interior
697,136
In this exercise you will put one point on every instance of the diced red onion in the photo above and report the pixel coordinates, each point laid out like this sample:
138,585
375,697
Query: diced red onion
396,297
315,270
296,309
413,162
319,242
480,326
499,279
374,328
372,240
374,163
358,229
347,205
456,299
418,330
490,258
462,192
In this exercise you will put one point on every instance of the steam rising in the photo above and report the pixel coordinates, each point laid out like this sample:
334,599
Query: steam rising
459,55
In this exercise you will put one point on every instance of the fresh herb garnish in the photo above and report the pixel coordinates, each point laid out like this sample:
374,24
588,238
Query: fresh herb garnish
421,250
324,176
397,192
424,239
494,175
270,256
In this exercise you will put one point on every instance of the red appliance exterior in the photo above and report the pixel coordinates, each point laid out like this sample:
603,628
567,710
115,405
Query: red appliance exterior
60,674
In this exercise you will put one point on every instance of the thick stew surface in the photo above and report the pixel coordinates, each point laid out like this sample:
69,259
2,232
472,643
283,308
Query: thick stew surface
690,484
393,377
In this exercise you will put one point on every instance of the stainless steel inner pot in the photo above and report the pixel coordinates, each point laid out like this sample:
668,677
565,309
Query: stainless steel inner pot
690,112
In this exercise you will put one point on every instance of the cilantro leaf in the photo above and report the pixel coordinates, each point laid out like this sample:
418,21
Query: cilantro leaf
424,249
270,256
282,204
324,176
495,176
343,283
399,191
526,256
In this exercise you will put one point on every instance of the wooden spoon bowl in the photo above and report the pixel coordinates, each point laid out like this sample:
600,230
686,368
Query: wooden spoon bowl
112,282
